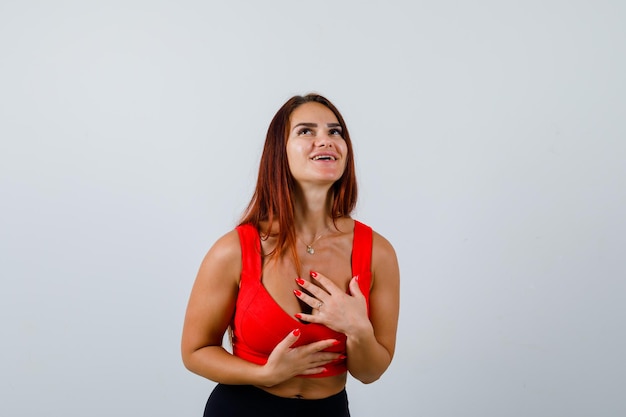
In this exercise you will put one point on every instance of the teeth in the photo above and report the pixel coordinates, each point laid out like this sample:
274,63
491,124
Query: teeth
324,157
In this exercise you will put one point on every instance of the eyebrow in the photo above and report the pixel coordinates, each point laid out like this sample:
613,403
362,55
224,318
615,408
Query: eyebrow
305,124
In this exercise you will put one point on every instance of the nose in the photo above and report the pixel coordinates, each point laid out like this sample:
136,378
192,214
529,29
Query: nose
324,140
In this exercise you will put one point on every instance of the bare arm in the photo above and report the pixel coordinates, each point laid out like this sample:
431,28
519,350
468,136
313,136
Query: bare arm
209,313
370,341
371,346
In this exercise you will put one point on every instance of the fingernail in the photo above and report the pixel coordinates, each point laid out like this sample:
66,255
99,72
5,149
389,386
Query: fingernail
296,332
324,371
300,281
298,293
313,274
357,278
298,316
341,357
336,342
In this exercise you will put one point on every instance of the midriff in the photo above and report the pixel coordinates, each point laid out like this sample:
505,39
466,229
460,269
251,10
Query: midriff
308,388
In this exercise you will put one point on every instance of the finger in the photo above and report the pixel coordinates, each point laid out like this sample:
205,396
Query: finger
319,346
289,340
330,286
322,363
329,358
355,288
318,292
313,371
311,318
311,301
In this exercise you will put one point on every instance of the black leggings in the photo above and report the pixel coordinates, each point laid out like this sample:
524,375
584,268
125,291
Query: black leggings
248,400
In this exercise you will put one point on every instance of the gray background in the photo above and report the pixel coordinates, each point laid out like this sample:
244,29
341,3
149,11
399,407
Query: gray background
490,145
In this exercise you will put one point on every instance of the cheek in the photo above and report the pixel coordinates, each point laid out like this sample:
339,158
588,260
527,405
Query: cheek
294,157
289,151
290,160
346,154
297,150
344,150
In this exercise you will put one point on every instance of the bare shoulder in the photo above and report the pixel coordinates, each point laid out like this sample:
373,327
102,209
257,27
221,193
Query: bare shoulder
224,256
384,259
227,247
213,295
381,248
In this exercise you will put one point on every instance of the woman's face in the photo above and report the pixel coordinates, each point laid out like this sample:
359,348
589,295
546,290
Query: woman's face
316,150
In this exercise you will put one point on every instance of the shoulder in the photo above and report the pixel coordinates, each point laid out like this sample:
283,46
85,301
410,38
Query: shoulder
224,255
381,244
227,246
384,260
382,249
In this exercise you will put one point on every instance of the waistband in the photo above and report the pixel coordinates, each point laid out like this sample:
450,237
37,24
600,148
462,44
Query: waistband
242,399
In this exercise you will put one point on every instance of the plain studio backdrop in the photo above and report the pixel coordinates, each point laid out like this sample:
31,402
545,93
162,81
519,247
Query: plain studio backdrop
490,147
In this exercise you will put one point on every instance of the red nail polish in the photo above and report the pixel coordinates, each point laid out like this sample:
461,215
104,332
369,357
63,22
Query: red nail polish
324,371
300,281
356,278
298,315
298,293
336,342
296,332
341,357
313,274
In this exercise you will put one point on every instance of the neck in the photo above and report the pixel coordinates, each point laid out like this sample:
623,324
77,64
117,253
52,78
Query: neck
312,215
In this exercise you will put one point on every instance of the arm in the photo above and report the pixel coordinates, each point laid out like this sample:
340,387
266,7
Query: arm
370,341
209,313
371,344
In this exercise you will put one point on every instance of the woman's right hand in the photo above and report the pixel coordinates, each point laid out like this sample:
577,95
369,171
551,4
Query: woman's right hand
286,362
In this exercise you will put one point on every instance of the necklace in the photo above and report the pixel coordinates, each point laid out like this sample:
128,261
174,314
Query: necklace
309,248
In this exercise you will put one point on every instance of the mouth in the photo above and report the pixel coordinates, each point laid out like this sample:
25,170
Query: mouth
324,158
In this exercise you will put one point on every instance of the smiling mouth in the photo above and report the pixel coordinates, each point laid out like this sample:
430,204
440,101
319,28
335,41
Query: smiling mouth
324,158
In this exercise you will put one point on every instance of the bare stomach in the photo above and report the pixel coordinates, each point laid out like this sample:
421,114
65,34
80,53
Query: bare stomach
308,388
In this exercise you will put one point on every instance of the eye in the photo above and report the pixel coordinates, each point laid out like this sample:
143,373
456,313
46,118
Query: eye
335,132
304,131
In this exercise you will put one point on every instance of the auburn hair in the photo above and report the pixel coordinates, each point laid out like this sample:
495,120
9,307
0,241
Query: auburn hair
273,198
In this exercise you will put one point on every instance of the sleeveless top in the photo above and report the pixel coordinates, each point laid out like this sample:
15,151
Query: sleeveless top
259,323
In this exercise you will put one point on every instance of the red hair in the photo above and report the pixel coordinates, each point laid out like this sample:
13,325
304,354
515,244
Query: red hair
273,198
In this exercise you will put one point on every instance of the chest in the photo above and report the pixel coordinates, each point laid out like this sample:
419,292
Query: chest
332,258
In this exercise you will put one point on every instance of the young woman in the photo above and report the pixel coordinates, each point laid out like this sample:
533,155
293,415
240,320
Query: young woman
307,292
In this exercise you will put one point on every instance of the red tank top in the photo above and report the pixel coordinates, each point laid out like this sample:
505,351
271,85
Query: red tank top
259,323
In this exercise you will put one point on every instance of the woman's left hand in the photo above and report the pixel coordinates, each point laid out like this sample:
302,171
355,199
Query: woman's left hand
332,306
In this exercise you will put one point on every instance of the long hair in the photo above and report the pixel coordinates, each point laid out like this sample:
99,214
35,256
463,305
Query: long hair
273,198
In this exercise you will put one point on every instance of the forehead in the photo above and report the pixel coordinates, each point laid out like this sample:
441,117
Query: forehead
314,113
